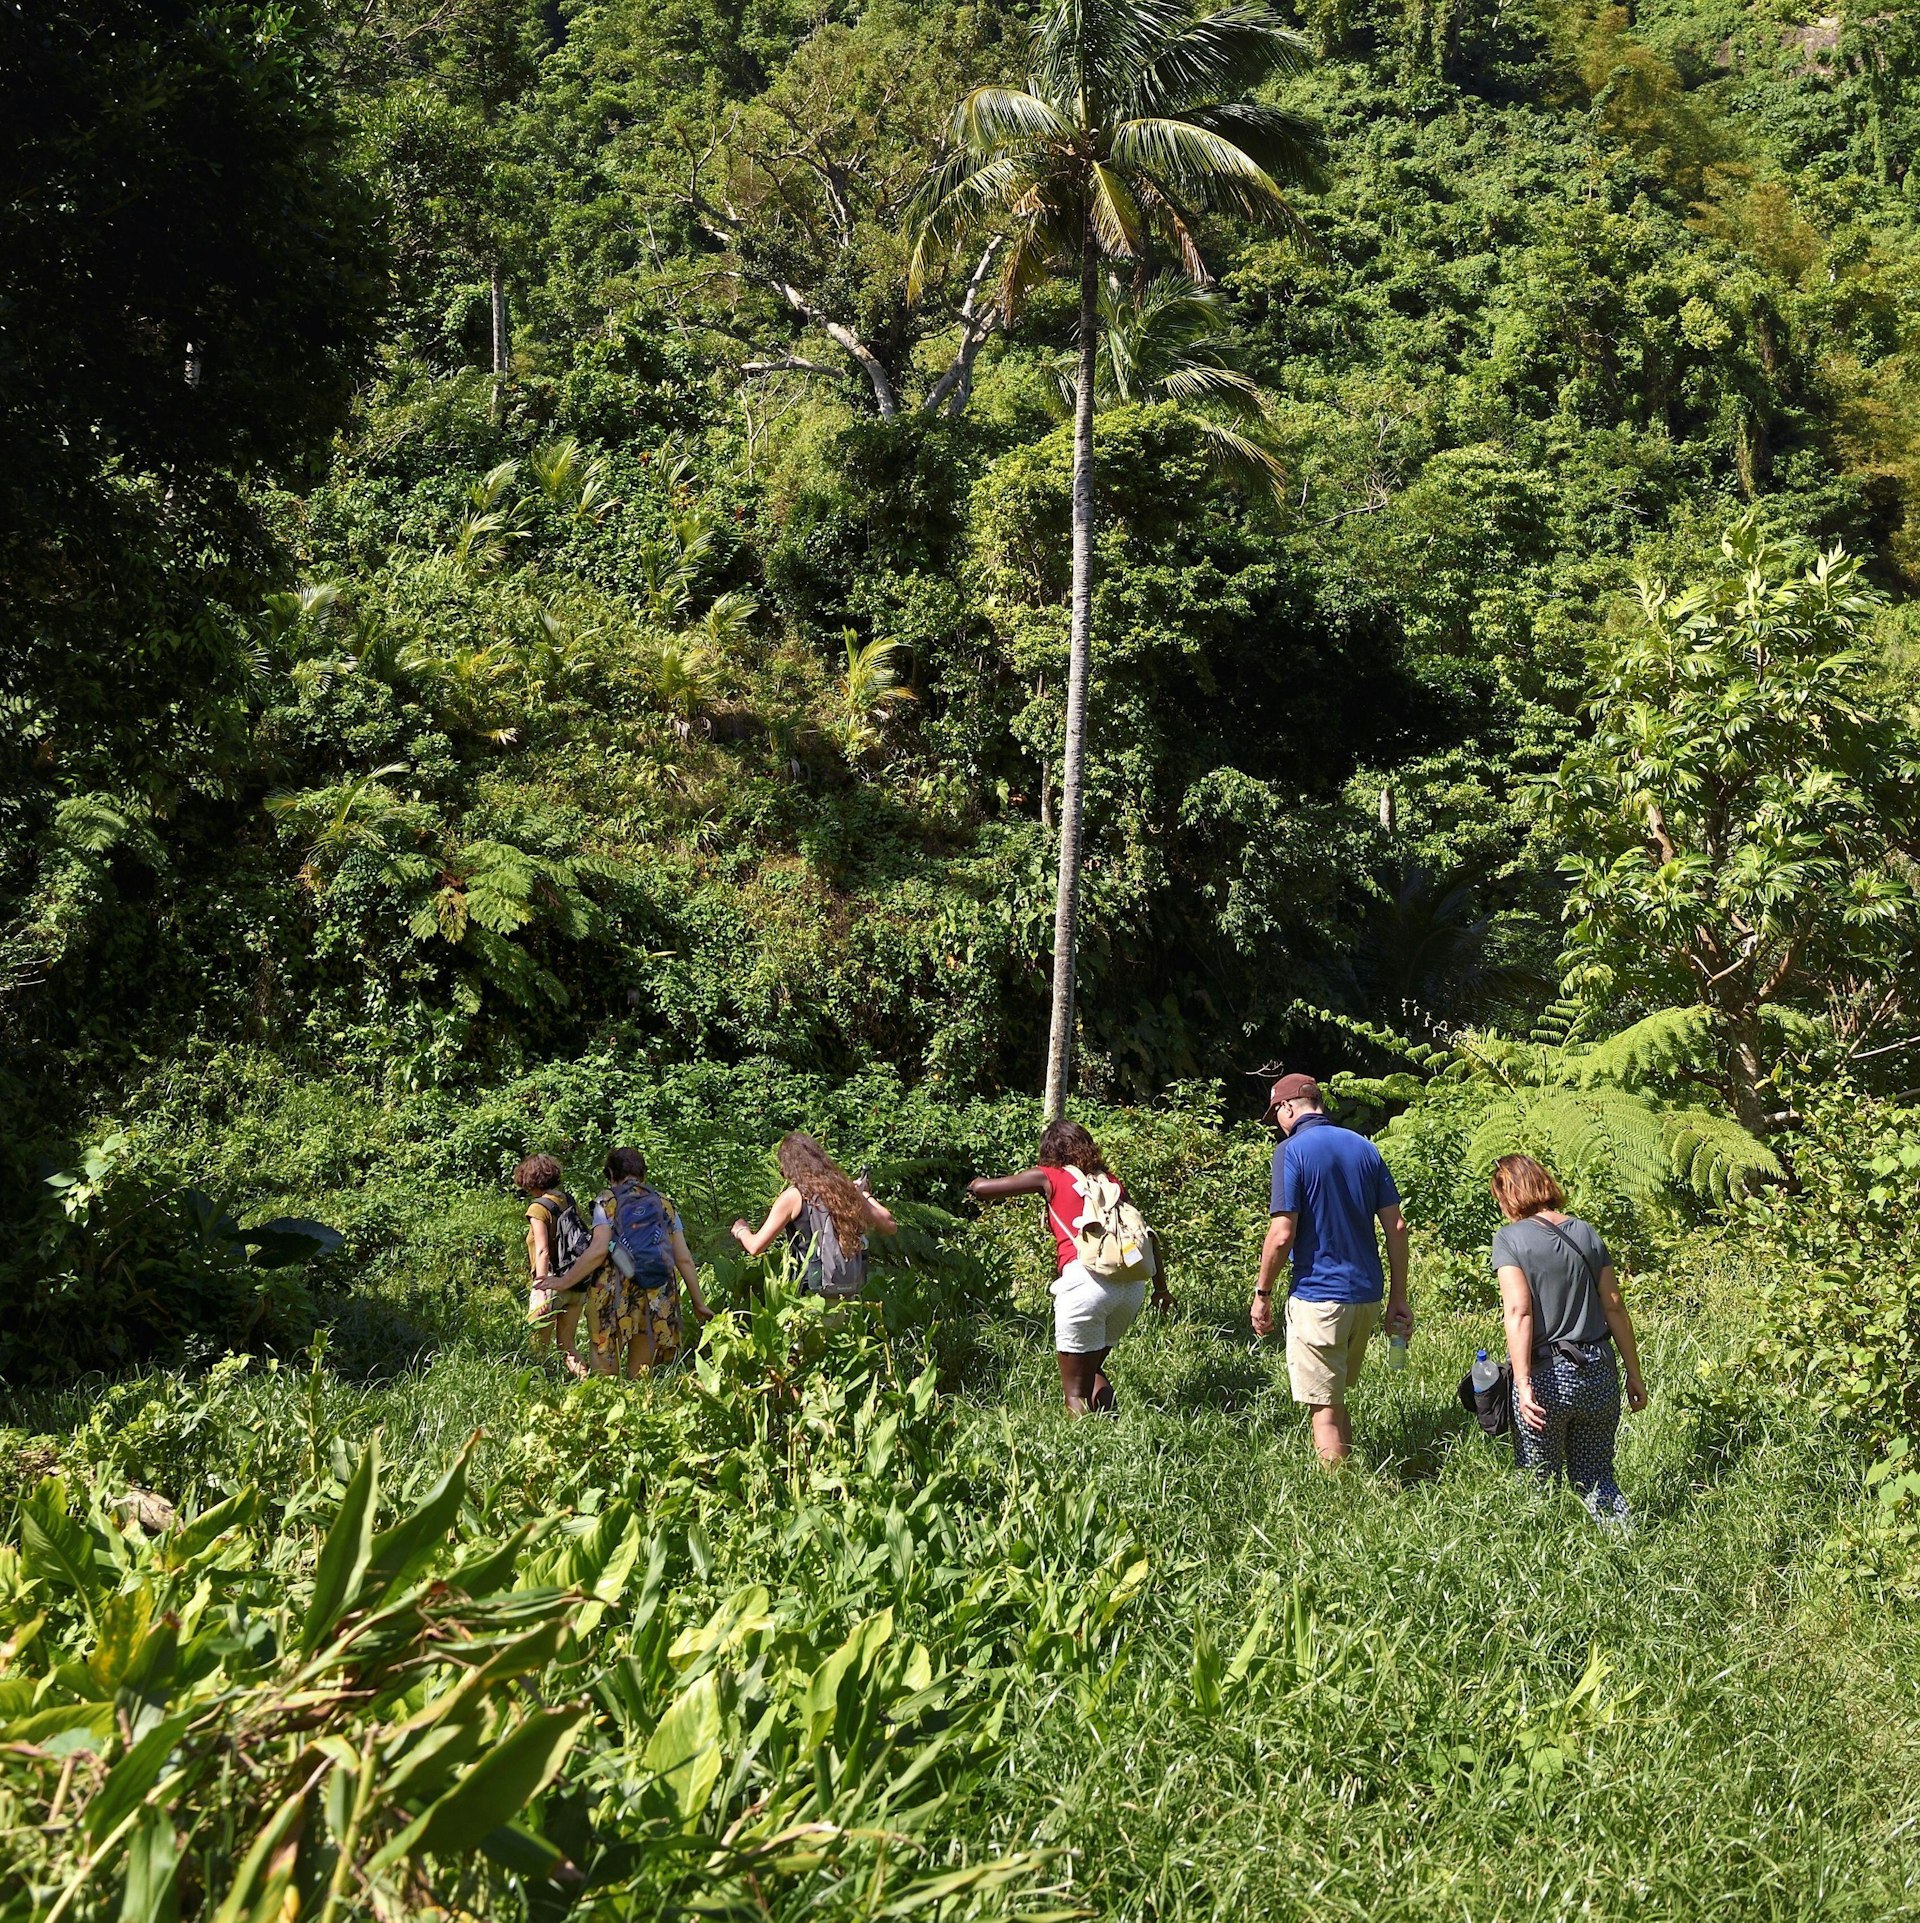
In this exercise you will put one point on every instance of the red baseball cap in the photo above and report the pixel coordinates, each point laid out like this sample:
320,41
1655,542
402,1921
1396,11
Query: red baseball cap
1291,1088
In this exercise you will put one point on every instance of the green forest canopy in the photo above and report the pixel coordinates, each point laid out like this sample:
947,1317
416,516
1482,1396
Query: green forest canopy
500,563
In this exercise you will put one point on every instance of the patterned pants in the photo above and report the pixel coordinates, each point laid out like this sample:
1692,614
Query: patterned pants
1582,1404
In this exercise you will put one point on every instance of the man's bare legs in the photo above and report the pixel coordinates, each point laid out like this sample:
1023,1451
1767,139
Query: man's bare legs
1083,1382
1332,1433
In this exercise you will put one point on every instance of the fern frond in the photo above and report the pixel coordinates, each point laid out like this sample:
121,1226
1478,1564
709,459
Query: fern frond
1714,1157
1671,1044
1558,1023
1575,1132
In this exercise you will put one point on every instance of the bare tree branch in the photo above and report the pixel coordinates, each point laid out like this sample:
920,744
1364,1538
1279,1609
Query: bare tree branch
954,388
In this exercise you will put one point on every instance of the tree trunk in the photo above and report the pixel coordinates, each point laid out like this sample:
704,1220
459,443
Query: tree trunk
1079,660
499,292
1746,1075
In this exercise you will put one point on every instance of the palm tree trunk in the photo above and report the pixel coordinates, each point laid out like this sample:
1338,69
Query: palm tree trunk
1079,658
499,316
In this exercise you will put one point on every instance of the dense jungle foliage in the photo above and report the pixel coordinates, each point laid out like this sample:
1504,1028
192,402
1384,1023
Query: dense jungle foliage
536,617
696,681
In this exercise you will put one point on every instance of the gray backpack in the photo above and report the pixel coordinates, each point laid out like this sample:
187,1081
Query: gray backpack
829,1271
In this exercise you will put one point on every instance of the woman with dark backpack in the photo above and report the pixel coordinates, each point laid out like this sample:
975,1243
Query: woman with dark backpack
1565,1318
826,1217
556,1237
1105,1256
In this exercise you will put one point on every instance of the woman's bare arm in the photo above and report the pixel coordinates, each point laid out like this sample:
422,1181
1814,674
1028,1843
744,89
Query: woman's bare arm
689,1273
1000,1188
590,1258
880,1217
786,1206
1620,1323
539,1244
1516,1304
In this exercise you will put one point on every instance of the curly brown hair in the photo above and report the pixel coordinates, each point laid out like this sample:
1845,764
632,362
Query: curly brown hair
1068,1145
824,1183
536,1175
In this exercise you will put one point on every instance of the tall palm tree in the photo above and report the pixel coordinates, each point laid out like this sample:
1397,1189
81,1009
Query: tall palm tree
1166,340
1132,126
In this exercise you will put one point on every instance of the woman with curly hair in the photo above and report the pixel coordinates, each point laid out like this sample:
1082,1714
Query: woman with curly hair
825,1215
1089,1315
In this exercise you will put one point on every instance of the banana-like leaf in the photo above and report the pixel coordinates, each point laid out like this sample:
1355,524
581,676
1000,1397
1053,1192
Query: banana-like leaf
493,1792
346,1552
684,1751
400,1552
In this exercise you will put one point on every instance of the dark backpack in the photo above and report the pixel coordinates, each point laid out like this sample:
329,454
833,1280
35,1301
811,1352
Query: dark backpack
642,1245
1491,1407
567,1235
830,1272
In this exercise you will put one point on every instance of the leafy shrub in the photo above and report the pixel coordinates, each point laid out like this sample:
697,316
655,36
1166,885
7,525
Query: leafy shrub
730,1636
126,1267
1839,1318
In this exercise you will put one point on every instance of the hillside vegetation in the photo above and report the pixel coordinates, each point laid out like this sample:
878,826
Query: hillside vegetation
540,558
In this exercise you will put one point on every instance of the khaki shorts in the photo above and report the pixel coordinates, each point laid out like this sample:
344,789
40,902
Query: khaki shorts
1326,1345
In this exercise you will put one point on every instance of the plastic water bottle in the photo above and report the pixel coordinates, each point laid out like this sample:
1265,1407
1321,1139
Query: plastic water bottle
1485,1373
1396,1352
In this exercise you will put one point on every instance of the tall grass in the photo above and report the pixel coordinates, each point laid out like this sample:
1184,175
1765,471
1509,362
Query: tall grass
1420,1688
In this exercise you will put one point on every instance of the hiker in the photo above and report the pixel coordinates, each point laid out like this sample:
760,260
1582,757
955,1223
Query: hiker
1561,1300
1105,1257
640,1252
826,1217
1330,1187
556,1238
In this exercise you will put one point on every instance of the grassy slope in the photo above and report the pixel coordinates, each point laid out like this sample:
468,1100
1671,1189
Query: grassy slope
1752,1750
1408,1747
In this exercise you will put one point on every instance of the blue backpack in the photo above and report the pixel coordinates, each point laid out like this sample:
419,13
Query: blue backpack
642,1245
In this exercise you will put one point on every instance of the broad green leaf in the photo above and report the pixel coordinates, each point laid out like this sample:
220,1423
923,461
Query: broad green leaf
422,1774
61,1719
55,1548
520,1850
133,1775
490,1568
684,1751
123,1622
743,1614
345,1554
494,1791
180,1546
401,1551
153,1872
260,1885
855,1654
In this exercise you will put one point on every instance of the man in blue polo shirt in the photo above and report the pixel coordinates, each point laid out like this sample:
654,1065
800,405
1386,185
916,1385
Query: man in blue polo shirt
1330,1186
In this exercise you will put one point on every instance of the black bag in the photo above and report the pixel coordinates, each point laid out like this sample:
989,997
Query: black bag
567,1235
1492,1407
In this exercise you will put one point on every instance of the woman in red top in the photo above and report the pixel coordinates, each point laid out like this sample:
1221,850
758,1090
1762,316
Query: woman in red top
1089,1315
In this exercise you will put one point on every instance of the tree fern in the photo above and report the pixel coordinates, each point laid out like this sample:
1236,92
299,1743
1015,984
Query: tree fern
1611,1133
1672,1044
1714,1157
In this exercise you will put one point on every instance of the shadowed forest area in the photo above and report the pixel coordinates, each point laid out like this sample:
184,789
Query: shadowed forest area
545,554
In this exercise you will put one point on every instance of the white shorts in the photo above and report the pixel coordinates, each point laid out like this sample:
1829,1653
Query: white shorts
1089,1316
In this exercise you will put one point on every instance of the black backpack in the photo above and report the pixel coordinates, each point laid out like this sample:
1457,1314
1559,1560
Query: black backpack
1491,1407
567,1234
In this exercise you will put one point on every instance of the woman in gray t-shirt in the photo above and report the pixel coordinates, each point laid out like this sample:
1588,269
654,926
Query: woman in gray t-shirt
1564,1319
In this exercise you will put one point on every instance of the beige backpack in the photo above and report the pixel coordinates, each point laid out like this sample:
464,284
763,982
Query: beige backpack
1110,1238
